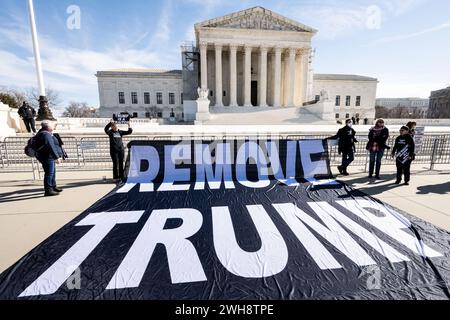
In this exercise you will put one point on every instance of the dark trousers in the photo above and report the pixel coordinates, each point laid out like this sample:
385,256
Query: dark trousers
49,174
347,158
30,125
117,159
403,168
375,162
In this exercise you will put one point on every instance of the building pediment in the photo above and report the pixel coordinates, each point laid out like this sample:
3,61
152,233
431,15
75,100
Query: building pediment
257,18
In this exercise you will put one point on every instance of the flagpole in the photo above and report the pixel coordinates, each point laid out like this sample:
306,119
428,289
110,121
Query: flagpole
44,112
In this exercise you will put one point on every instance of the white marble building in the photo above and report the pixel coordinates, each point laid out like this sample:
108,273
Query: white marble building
417,106
144,93
249,61
353,96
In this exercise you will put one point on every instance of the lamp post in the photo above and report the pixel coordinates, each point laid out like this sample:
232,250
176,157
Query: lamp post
44,112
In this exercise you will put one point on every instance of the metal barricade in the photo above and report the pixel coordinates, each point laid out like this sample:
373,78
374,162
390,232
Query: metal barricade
92,152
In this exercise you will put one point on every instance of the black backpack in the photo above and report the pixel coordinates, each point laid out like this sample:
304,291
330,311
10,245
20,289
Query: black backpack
32,148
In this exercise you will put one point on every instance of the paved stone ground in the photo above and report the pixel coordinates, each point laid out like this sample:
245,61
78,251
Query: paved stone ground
27,218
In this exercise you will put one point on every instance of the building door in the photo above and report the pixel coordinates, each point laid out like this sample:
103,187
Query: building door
254,94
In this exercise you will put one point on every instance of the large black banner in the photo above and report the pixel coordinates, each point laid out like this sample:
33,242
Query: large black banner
235,220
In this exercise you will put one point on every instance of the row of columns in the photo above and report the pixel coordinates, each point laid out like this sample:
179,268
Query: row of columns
263,51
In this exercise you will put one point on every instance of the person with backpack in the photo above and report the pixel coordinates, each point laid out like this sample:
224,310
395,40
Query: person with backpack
48,153
378,135
403,152
116,148
346,145
27,113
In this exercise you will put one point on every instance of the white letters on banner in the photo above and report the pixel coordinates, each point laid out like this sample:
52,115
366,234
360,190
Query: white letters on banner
219,171
57,274
391,223
204,167
270,259
183,260
173,155
184,264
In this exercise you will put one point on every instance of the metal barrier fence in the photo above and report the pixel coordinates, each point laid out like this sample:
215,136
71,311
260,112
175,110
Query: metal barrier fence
92,153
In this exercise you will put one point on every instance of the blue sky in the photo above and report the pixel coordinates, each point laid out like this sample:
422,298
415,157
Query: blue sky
403,43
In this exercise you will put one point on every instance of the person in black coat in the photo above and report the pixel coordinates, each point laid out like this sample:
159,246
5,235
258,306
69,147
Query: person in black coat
346,145
116,148
403,152
376,146
27,113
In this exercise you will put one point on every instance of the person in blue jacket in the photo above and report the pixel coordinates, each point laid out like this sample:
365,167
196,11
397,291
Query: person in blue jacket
48,153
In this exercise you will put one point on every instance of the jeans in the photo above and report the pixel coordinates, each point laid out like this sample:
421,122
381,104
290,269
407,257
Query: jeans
375,158
50,174
403,168
347,158
117,157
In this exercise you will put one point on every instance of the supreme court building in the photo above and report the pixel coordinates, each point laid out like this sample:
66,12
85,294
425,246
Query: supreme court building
249,61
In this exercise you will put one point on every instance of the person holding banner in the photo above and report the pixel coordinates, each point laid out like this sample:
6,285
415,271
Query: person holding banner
403,152
116,148
376,146
346,145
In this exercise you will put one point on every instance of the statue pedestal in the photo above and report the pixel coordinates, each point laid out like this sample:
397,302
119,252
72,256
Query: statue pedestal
322,109
5,121
202,111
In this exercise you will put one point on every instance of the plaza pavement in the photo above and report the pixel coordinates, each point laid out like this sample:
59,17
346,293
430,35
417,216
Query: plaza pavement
27,218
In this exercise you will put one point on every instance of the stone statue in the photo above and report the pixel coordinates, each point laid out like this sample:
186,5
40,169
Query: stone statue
323,95
203,93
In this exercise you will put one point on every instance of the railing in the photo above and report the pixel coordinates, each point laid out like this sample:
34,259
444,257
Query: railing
92,153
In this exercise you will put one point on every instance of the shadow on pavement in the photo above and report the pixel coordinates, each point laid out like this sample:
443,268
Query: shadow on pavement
27,194
442,188
372,187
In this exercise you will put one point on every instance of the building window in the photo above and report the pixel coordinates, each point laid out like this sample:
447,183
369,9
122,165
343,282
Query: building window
159,98
358,101
121,97
147,115
317,98
171,98
337,115
181,98
147,97
159,115
224,93
135,114
338,100
347,101
134,98
347,116
211,93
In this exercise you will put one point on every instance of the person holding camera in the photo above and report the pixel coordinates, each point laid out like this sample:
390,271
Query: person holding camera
116,147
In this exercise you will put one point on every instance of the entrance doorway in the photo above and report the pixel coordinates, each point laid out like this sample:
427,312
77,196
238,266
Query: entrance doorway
254,94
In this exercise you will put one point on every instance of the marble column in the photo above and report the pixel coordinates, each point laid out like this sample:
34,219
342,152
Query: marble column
277,78
233,76
263,77
305,75
204,65
247,76
291,82
219,91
